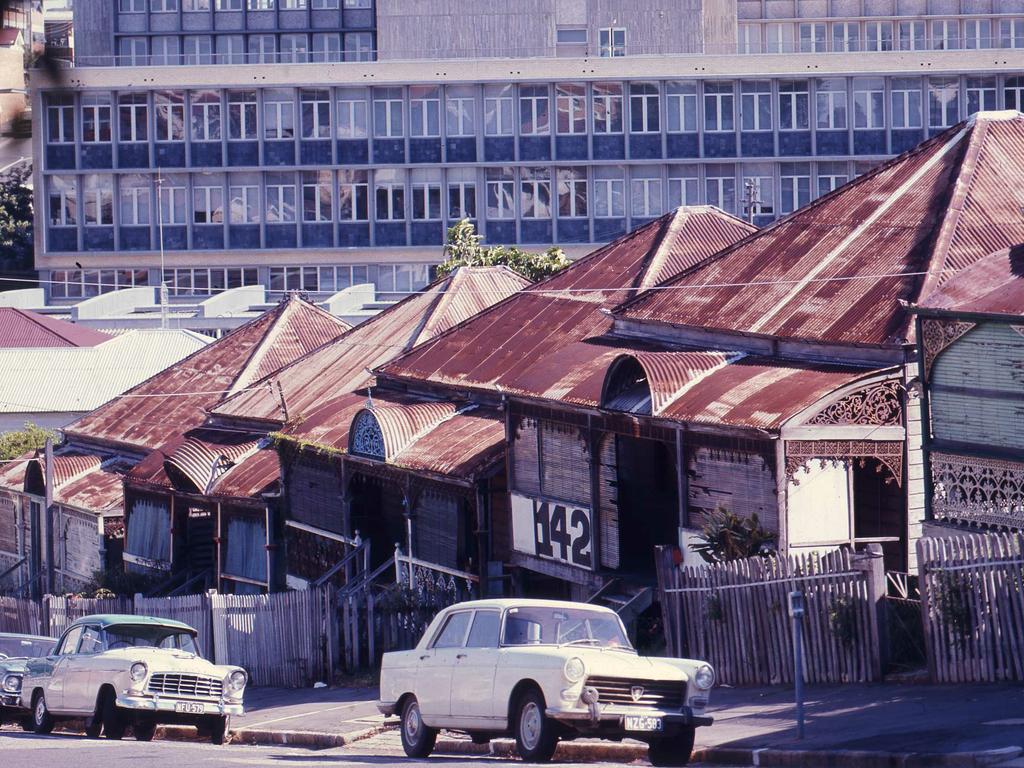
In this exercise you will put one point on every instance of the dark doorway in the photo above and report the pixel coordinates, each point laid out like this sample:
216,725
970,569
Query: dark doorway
880,512
648,501
200,530
376,513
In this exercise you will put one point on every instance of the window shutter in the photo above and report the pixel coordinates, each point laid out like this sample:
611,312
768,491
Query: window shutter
436,529
566,465
525,459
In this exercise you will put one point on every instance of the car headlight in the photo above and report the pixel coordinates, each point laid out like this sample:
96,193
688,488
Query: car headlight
704,677
236,680
574,669
11,683
138,671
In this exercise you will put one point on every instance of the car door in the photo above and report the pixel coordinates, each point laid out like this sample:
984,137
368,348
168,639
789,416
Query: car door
53,688
473,673
79,694
434,677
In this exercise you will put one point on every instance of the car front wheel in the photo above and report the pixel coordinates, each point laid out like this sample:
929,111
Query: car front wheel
672,751
144,730
417,738
113,720
535,732
42,720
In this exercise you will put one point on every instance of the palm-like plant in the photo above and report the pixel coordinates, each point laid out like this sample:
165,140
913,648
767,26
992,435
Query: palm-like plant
725,536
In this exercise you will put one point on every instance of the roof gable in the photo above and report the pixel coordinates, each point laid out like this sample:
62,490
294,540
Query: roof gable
176,399
20,329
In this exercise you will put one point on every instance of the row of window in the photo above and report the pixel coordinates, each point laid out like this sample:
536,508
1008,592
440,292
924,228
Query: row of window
602,108
172,6
289,48
205,281
880,35
431,195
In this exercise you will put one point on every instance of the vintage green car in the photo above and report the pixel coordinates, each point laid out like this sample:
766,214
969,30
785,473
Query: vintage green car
15,651
119,671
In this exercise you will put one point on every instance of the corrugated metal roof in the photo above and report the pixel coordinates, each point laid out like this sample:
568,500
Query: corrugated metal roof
82,479
253,475
100,490
832,270
461,446
176,400
402,423
206,454
532,344
343,365
70,379
21,329
993,285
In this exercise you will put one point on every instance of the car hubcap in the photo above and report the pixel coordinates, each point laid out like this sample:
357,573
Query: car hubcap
40,710
529,725
412,722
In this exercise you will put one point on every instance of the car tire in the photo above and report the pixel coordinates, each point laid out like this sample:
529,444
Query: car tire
536,738
144,730
42,720
218,730
418,739
114,723
672,751
27,724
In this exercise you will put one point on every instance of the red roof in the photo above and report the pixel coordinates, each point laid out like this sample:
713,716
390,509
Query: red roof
176,399
20,329
431,436
343,366
842,269
531,342
993,285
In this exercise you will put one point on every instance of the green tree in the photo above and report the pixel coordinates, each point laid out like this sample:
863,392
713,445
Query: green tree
725,536
16,245
15,444
464,249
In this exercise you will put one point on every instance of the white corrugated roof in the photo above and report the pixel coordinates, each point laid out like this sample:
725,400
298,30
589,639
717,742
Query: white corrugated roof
81,379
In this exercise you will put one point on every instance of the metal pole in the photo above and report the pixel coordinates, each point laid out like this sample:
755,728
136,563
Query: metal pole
160,222
796,610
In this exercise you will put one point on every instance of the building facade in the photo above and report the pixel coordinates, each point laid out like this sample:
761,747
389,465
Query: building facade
271,156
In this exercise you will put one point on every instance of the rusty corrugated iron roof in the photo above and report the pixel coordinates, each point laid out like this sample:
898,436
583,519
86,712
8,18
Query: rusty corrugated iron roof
531,342
992,285
842,269
343,365
206,454
21,328
176,399
99,491
461,446
402,423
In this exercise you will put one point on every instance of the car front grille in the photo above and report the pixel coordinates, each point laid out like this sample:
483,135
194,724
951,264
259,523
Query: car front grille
656,694
191,686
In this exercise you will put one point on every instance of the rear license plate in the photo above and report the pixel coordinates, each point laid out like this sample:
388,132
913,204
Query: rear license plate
188,708
641,723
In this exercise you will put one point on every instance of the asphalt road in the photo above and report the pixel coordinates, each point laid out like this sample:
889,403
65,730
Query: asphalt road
64,750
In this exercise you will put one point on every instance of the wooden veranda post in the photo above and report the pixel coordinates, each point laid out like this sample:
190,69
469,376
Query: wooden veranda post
872,563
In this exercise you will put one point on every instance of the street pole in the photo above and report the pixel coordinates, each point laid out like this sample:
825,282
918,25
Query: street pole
160,221
796,611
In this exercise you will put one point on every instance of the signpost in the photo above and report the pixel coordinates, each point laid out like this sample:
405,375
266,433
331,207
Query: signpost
796,612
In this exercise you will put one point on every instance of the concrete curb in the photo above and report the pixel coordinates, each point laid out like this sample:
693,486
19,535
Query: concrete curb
774,758
266,737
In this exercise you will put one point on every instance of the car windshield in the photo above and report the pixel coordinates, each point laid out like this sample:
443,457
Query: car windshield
25,647
558,626
146,636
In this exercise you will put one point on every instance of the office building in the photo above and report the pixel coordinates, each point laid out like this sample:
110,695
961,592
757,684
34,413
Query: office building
313,144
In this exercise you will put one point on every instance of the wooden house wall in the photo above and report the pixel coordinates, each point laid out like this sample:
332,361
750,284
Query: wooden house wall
915,472
736,475
500,519
607,495
976,389
15,542
79,547
314,492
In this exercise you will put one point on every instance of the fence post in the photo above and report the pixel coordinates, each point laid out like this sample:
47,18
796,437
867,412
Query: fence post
872,563
218,622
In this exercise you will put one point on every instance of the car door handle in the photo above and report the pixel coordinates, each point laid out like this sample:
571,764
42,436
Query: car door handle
424,657
460,656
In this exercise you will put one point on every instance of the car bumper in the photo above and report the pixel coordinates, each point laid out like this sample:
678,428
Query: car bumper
613,719
10,700
142,703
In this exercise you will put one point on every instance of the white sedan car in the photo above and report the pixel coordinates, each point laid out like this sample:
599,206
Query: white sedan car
542,670
131,671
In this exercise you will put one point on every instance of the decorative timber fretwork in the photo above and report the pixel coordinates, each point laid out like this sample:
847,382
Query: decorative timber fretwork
888,454
979,491
367,438
877,405
937,334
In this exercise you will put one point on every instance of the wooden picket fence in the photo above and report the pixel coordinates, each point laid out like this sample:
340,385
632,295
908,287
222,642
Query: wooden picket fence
972,606
63,610
283,639
21,616
735,616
